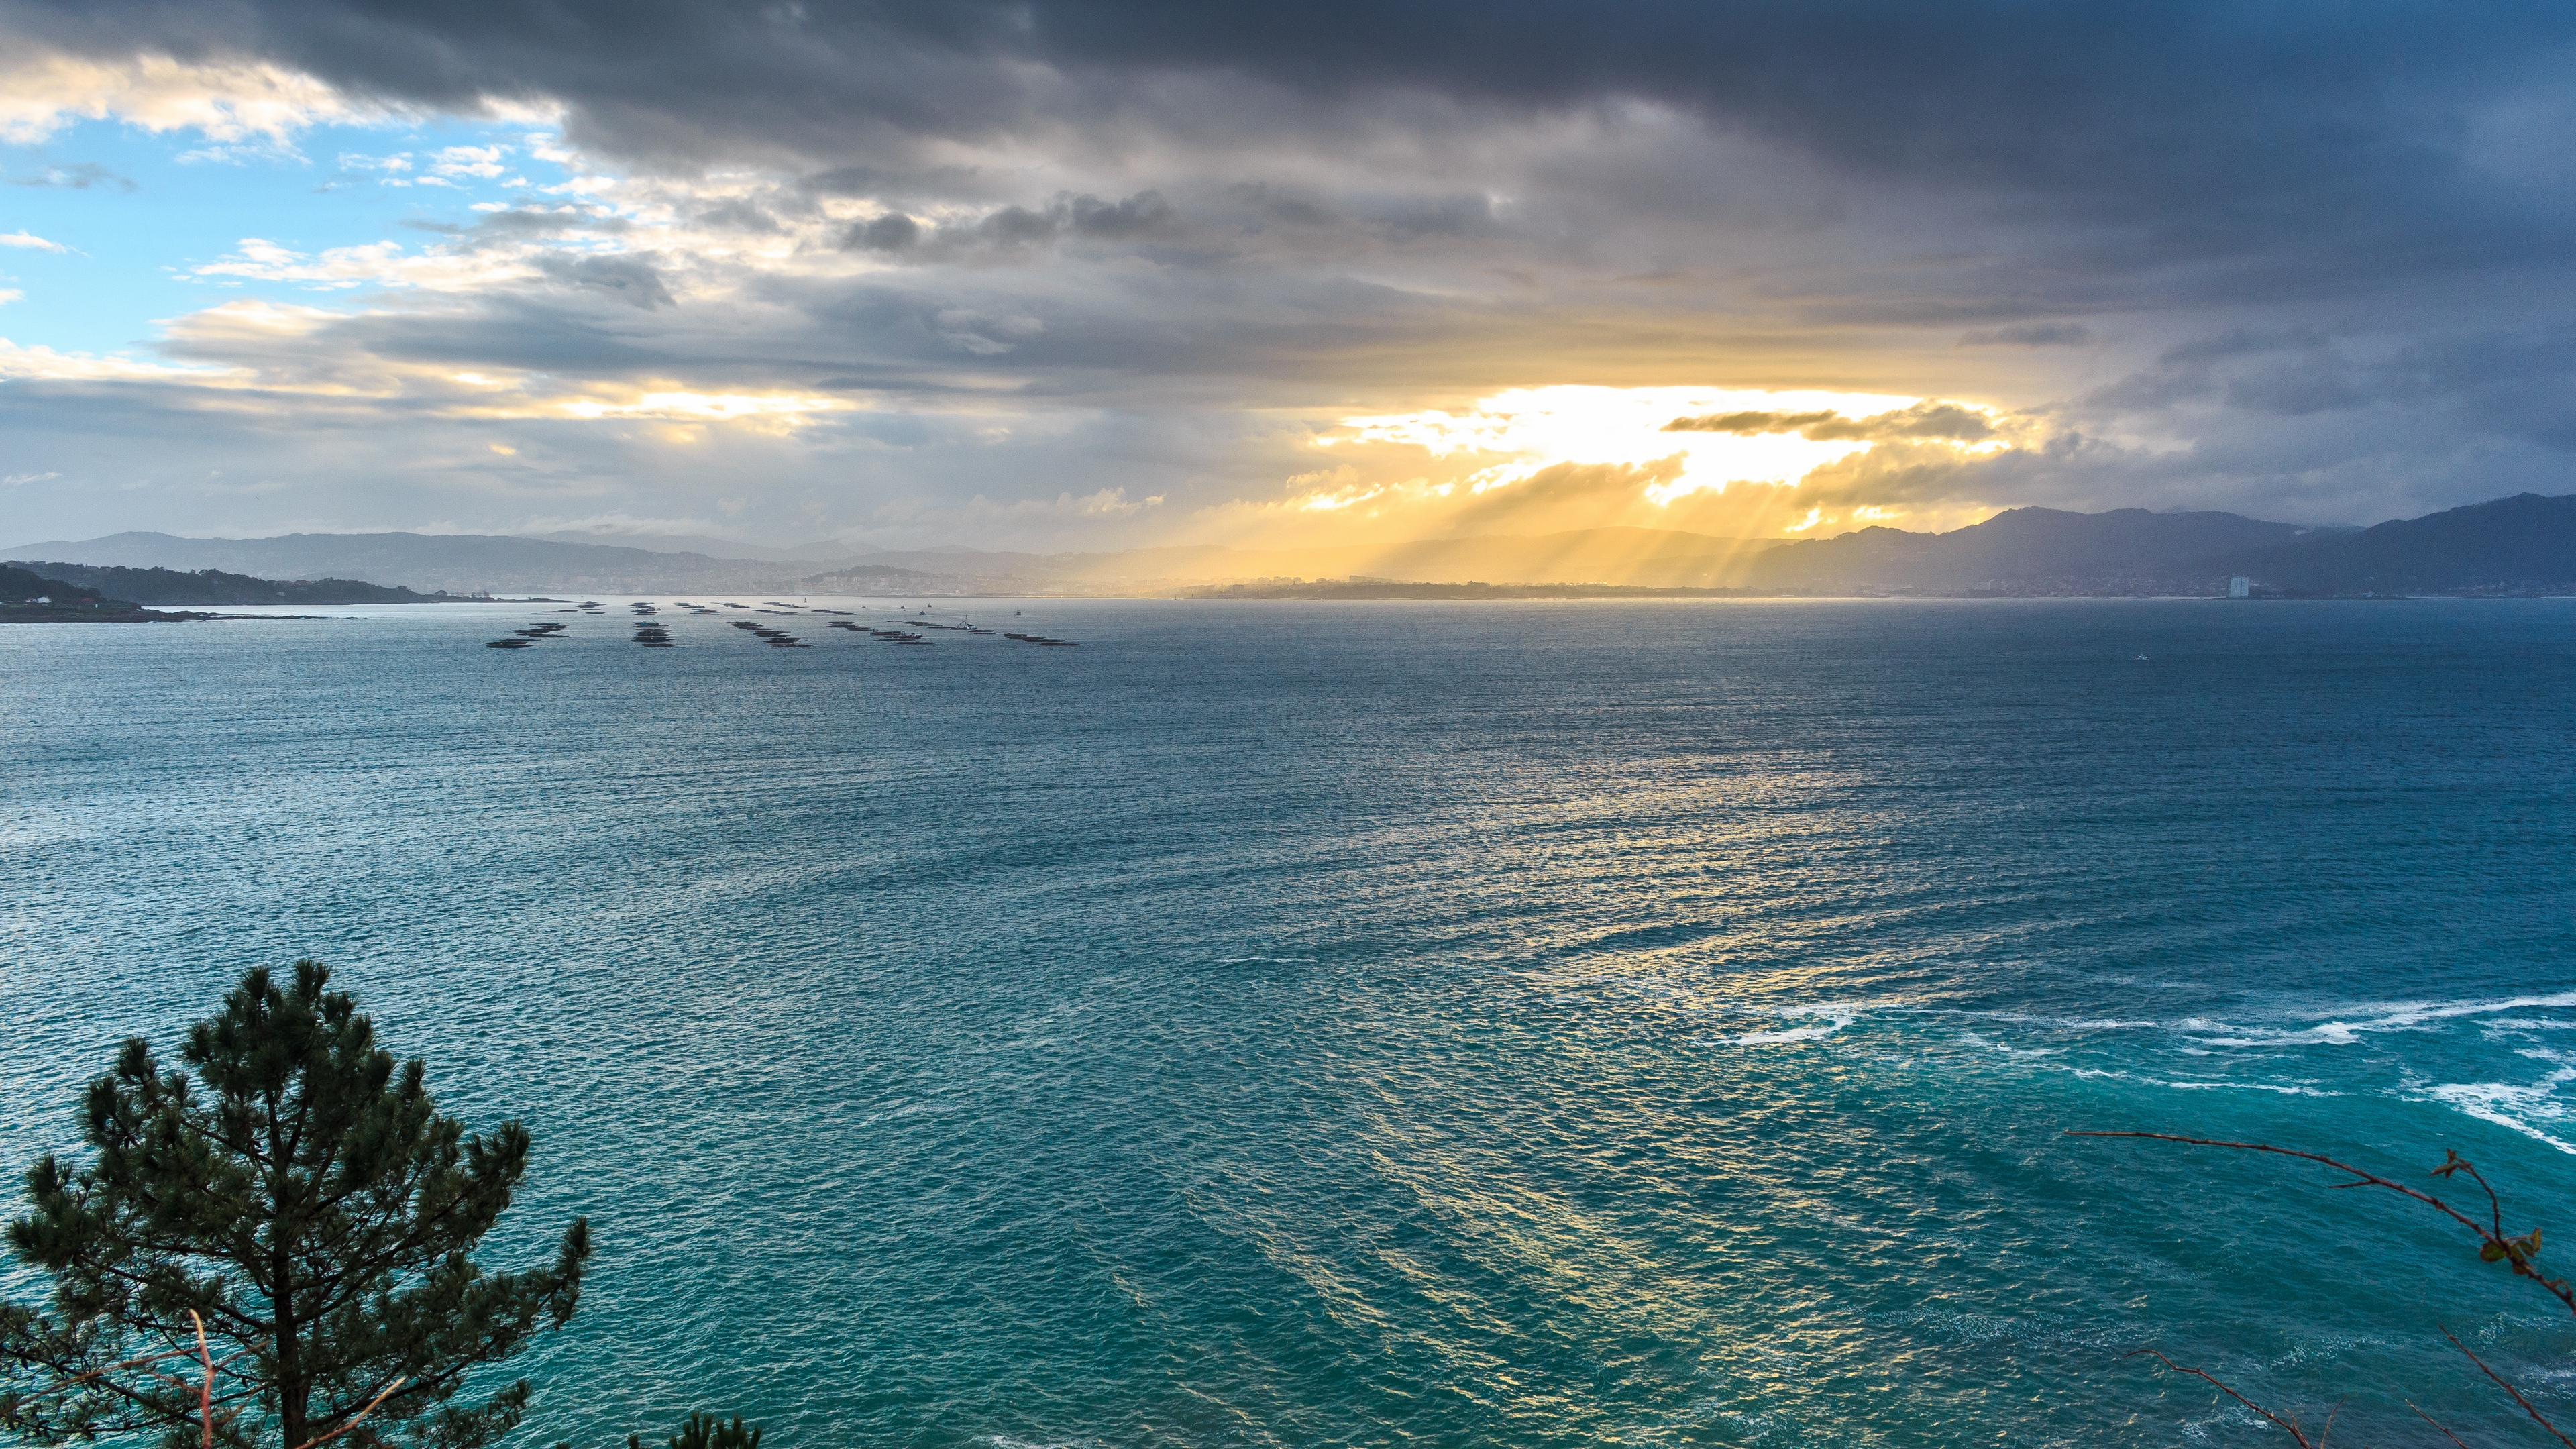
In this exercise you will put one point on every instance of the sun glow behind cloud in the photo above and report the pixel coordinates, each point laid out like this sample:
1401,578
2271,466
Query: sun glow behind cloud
1533,428
320,327
1558,457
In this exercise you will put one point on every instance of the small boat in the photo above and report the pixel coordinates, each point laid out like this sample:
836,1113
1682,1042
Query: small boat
507,644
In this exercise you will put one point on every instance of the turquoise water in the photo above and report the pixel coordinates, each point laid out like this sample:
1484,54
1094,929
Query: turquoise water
1304,1024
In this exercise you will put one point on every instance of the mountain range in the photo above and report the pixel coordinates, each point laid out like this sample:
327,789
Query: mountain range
213,586
2523,544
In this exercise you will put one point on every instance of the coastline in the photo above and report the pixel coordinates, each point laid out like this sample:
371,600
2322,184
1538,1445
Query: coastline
128,614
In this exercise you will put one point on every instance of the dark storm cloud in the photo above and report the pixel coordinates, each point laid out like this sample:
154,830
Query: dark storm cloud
2360,211
2004,166
1929,420
2259,112
740,215
632,280
2516,383
1749,422
1013,228
1412,218
2328,138
1278,206
893,232
2030,334
565,330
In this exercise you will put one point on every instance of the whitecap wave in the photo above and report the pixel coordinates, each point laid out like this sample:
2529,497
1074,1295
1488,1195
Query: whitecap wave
2059,1023
2391,1016
1835,1019
2284,1089
1970,1038
2113,1074
2509,1104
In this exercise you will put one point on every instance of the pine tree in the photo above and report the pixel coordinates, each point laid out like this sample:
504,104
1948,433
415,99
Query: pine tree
703,1431
302,1198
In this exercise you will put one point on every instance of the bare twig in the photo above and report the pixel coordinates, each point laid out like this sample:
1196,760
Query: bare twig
354,1418
2510,1389
2436,1423
206,1393
2289,1424
2453,1162
145,1363
209,1419
2494,1245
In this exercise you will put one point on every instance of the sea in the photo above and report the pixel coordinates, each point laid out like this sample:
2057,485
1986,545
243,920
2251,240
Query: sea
1508,1023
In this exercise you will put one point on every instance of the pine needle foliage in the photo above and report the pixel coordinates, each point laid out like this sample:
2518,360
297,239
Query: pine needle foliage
302,1196
705,1431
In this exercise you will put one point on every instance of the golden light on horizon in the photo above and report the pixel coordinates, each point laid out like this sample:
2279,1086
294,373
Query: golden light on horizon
1539,427
1649,456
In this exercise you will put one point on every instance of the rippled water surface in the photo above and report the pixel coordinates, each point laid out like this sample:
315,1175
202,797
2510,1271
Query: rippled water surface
1283,1024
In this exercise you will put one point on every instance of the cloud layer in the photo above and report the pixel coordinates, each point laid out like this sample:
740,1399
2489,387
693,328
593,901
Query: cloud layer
925,273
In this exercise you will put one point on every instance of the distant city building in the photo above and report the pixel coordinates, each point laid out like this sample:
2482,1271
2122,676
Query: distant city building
2240,587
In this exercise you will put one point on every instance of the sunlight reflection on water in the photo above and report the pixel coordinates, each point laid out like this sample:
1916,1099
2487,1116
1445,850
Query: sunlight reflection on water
1292,1024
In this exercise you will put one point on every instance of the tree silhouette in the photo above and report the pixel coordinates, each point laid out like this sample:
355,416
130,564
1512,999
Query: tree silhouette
295,1222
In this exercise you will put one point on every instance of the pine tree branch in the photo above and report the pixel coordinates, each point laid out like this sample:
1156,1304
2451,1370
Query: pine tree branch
244,1325
352,1423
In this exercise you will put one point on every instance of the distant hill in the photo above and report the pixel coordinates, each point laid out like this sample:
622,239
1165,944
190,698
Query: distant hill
2526,543
25,586
27,597
470,563
811,555
2083,552
887,579
212,586
458,563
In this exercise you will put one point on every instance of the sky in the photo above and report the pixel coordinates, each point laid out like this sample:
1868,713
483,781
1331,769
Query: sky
1102,275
